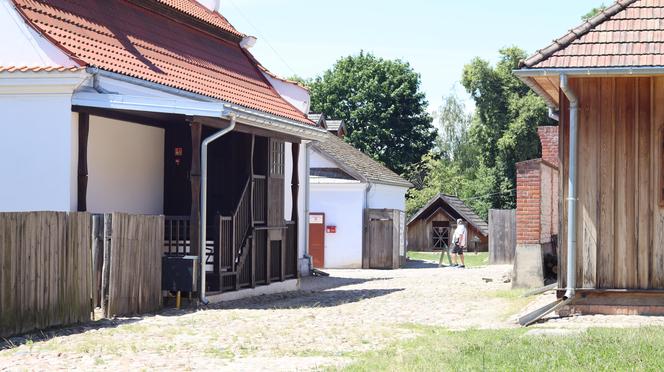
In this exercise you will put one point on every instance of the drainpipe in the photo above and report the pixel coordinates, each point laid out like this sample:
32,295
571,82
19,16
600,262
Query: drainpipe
571,184
553,114
203,218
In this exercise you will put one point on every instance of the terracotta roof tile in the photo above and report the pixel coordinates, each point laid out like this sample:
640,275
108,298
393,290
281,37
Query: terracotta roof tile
630,33
196,10
121,37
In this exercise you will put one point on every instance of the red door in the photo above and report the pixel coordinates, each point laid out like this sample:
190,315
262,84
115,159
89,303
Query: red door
317,238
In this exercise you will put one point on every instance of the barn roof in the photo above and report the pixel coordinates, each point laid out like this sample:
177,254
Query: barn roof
356,163
456,208
629,33
176,43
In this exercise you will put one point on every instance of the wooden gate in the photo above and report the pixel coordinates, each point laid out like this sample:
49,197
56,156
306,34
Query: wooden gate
502,236
131,272
384,240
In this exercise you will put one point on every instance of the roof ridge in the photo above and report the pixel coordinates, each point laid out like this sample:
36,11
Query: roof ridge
575,33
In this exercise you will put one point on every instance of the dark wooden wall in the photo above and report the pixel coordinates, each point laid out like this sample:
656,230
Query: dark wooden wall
619,229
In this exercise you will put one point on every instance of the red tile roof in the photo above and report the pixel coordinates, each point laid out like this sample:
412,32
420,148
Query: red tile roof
39,68
629,33
123,37
196,10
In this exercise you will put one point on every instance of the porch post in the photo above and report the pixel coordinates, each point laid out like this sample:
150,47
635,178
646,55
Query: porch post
83,131
295,191
195,176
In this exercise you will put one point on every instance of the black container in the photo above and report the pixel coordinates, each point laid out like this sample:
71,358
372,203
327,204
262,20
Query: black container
179,273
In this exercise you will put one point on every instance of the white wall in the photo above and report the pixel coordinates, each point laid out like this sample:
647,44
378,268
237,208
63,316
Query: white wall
37,144
125,167
343,206
387,197
317,160
23,46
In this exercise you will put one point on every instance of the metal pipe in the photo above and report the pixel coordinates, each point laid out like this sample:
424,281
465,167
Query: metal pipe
203,208
553,114
571,184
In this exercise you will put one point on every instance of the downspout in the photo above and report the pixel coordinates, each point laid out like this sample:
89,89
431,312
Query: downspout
553,114
571,184
203,208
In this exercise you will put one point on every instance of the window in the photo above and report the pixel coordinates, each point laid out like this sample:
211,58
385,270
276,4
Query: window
276,158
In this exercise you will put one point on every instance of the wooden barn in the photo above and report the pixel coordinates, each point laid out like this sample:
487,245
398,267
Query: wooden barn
434,225
606,80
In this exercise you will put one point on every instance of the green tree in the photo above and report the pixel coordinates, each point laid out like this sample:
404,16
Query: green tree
504,127
383,108
593,12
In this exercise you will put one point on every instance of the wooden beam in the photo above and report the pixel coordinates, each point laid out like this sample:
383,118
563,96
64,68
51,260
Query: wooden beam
83,133
158,121
251,211
195,176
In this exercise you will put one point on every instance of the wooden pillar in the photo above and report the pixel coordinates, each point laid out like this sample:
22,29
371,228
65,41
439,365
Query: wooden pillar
295,213
195,176
83,132
251,211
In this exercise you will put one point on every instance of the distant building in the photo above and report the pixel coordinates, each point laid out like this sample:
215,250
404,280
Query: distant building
432,227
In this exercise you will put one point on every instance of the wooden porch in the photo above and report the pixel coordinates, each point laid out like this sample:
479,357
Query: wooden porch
249,240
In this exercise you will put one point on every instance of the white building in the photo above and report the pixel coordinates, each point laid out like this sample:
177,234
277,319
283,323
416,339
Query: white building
344,182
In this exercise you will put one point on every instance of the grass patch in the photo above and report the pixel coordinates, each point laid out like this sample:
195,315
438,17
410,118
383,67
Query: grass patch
472,259
514,297
437,349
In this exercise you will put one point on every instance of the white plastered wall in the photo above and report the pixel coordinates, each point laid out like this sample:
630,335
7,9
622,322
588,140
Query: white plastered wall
343,205
387,197
125,167
39,145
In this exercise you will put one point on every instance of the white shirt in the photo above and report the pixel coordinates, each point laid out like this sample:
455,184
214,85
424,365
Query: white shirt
460,233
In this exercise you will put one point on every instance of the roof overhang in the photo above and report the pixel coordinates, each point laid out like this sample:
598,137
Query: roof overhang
40,82
546,81
109,90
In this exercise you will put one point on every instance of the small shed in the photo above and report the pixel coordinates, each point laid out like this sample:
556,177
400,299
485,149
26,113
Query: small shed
434,225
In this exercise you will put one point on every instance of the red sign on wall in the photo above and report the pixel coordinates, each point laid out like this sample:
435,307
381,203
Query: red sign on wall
331,229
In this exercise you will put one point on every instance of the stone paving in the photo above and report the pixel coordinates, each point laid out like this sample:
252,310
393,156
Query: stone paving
322,324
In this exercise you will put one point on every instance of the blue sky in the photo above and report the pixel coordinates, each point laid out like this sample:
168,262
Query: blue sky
436,37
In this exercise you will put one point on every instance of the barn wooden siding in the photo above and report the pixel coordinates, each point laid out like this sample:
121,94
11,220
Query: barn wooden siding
419,233
133,265
620,224
45,270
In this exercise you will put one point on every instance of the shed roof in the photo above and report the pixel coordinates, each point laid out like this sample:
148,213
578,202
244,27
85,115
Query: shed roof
456,205
629,33
356,163
334,125
162,42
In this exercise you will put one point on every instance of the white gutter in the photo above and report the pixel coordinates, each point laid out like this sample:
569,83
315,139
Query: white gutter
571,184
203,209
588,71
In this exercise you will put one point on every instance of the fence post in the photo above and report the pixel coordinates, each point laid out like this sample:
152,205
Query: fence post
106,266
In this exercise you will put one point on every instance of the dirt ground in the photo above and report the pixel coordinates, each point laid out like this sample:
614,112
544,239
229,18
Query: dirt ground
323,324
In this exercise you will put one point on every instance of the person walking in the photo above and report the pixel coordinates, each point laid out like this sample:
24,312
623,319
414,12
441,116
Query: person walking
460,240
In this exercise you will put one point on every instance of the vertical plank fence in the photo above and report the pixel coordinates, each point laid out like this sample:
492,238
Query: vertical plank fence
134,264
502,236
45,270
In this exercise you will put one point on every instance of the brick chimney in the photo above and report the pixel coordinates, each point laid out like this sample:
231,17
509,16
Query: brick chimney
549,138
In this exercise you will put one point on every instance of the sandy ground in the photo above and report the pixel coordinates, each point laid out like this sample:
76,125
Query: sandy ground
323,324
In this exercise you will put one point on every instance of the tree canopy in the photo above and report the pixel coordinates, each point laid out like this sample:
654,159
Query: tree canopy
476,157
382,106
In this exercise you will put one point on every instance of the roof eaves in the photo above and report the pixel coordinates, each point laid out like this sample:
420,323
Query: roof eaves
574,34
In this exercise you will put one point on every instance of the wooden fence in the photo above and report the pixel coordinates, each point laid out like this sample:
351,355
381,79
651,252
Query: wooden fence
45,270
502,236
131,273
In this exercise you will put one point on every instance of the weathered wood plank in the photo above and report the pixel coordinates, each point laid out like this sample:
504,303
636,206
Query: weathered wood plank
502,236
644,209
657,261
605,263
